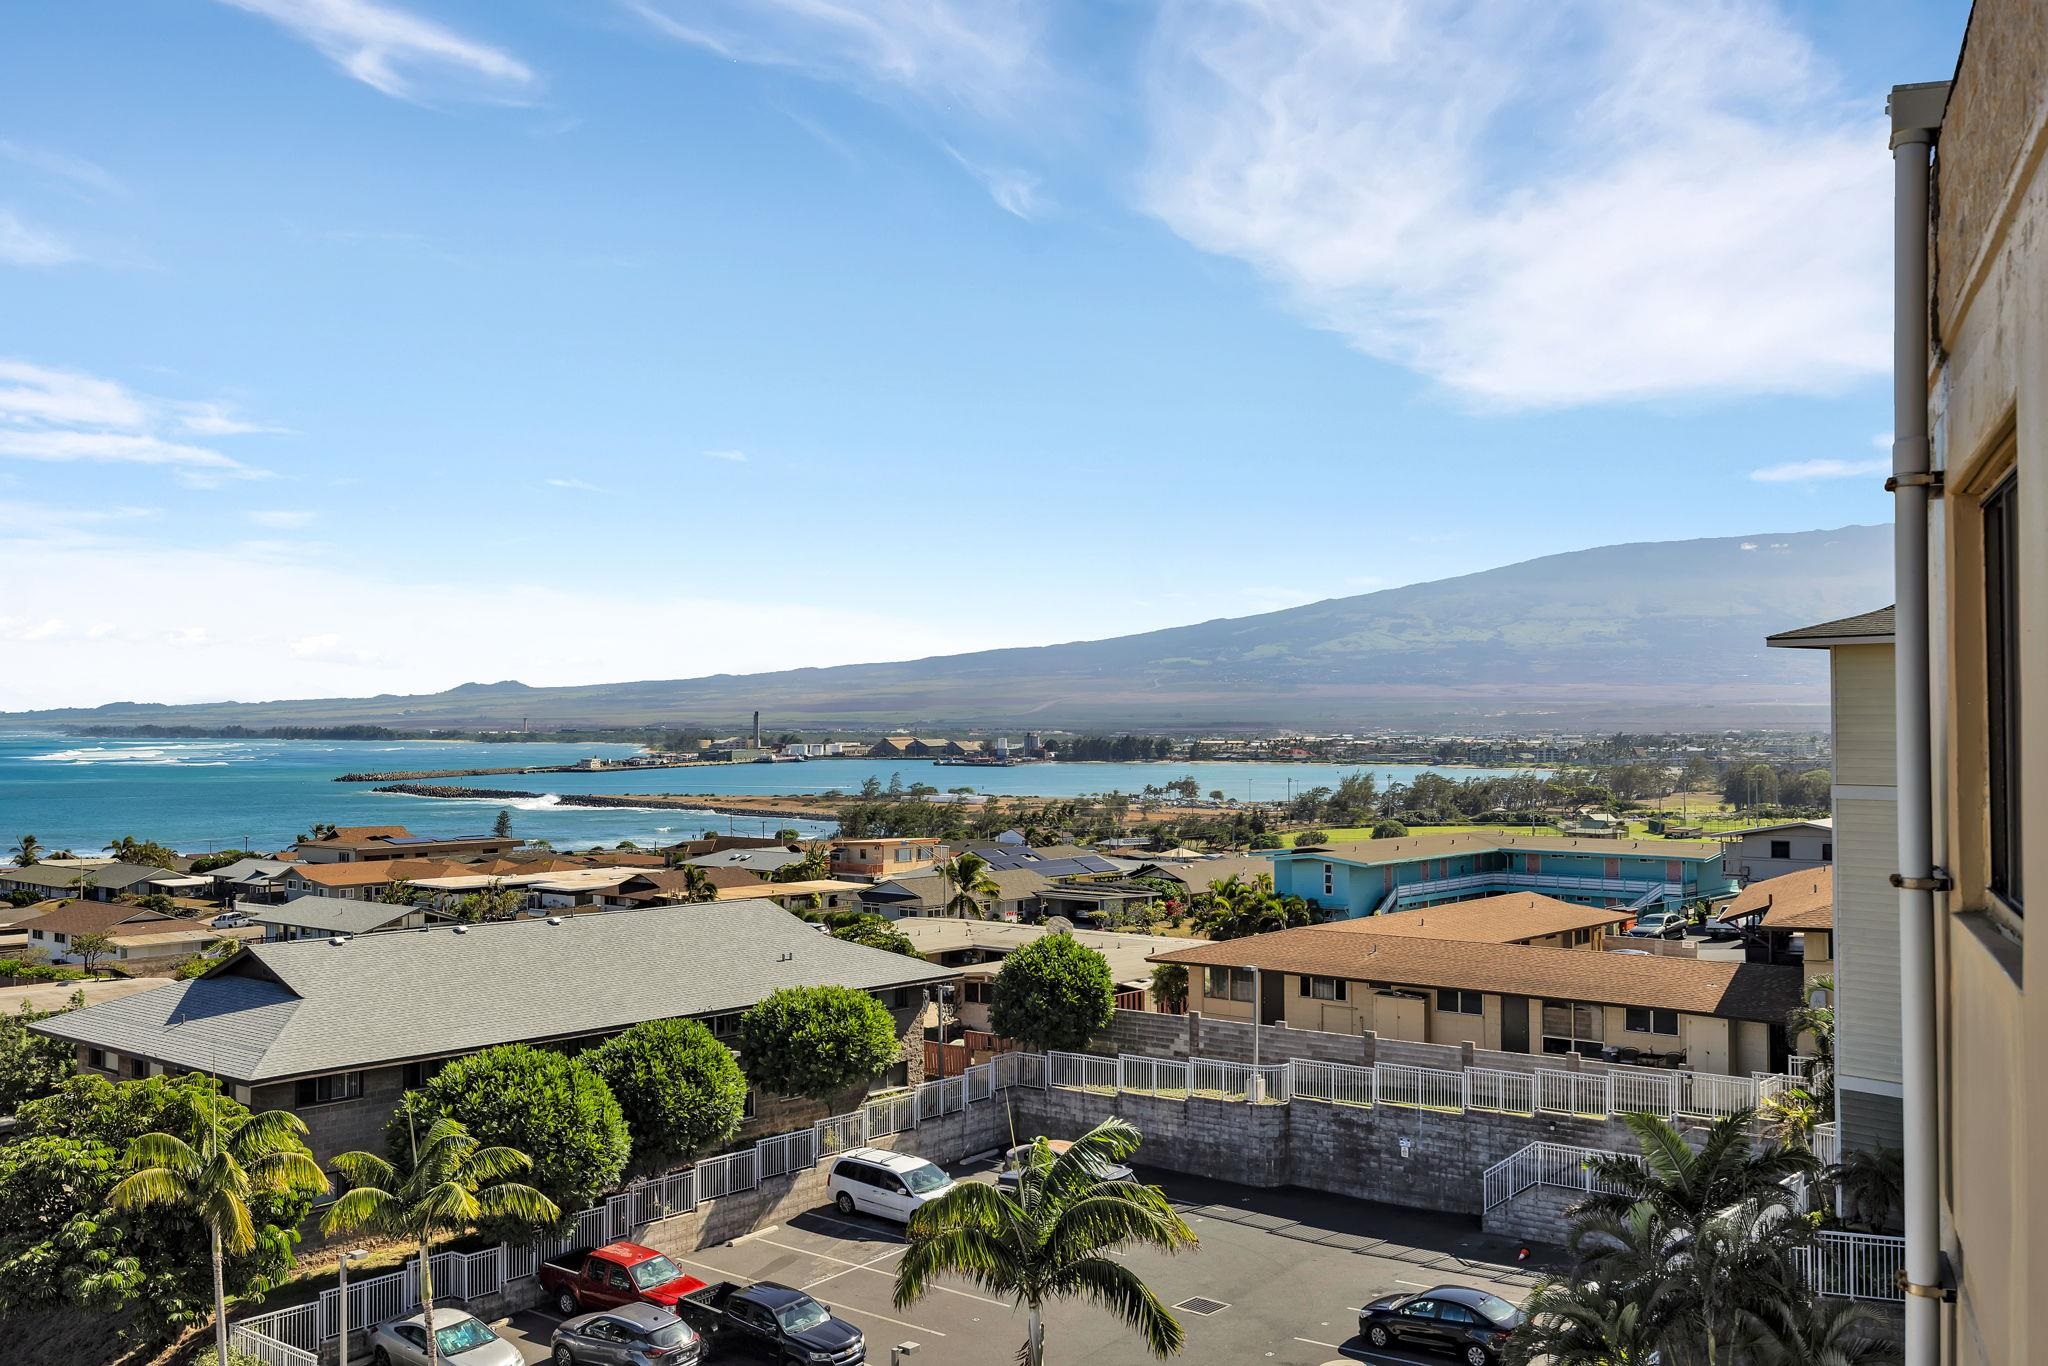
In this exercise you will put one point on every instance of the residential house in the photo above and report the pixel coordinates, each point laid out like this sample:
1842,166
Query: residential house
760,862
259,880
1863,725
90,880
977,948
137,935
1793,918
1515,997
370,843
1768,851
337,1029
925,893
1376,876
317,917
879,858
670,886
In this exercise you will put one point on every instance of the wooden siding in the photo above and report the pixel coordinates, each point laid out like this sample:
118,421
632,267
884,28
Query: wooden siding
1865,735
1867,939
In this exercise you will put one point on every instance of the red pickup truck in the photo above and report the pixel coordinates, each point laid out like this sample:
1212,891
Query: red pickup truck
617,1273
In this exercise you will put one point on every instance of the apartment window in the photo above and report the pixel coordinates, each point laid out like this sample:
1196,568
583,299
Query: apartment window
1573,1027
1460,1003
97,1058
978,991
1644,1021
723,1026
1228,984
1827,853
1781,849
1329,880
327,1090
1323,988
2002,673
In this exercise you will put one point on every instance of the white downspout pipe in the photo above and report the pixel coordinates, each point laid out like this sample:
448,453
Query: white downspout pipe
1916,117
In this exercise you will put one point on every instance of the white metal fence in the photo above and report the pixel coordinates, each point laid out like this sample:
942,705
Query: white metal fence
1855,1266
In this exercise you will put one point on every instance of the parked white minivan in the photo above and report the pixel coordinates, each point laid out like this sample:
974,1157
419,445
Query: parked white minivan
889,1185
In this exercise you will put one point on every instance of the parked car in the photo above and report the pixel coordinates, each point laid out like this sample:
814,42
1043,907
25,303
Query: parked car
891,1185
1659,925
612,1275
463,1340
230,920
630,1335
1470,1324
1013,1164
774,1322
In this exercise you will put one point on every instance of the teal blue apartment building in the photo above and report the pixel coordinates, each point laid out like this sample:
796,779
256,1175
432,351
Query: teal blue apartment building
1375,877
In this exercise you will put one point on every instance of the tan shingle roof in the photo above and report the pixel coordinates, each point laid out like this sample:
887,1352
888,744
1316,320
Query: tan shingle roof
1793,901
1504,919
388,870
94,917
1743,991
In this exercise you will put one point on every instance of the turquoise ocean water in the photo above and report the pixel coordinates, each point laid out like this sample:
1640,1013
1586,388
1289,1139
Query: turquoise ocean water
78,792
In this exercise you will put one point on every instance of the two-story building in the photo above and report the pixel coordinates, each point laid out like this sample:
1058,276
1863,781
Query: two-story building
370,843
336,1029
874,859
1768,851
1542,985
1375,877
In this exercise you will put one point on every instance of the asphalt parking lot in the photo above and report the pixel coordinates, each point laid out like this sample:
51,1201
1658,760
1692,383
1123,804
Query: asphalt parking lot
1289,1269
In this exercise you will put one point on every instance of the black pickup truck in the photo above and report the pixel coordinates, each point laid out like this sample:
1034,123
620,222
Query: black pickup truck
773,1323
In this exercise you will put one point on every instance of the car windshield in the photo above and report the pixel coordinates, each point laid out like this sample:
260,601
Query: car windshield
656,1270
800,1315
1493,1307
924,1178
461,1337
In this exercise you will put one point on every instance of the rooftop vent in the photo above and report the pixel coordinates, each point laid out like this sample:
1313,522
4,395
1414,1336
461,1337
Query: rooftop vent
337,939
554,920
462,929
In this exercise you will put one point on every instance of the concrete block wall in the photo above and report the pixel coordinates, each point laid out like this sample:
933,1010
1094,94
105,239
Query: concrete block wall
1537,1215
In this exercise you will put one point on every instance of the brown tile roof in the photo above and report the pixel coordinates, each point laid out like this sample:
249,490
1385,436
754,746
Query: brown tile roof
671,881
1469,841
1505,919
1742,991
97,917
1197,874
1792,901
373,874
349,834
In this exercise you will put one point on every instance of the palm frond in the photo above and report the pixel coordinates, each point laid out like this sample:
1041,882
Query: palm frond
364,1169
511,1200
1115,1287
361,1208
489,1164
268,1131
164,1150
974,1254
149,1186
287,1171
227,1214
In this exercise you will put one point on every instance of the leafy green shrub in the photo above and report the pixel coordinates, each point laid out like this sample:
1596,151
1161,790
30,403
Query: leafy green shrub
816,1041
22,898
206,863
681,1090
158,902
553,1108
1389,830
209,1355
1054,993
1310,838
875,933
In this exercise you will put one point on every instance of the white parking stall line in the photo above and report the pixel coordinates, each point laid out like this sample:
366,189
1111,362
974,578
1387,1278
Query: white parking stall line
849,1309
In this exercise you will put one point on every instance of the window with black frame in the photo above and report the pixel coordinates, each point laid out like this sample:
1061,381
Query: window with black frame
2002,674
1573,1027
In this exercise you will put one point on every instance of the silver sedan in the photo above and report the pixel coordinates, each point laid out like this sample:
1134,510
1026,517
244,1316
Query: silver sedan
464,1340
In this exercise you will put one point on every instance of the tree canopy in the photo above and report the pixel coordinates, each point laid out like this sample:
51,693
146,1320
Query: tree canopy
875,933
1054,993
816,1041
680,1089
555,1109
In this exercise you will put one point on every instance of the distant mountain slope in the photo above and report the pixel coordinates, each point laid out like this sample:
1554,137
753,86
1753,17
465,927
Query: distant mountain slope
1665,632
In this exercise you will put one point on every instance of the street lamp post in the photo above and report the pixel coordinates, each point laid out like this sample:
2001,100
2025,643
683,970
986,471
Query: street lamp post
341,1352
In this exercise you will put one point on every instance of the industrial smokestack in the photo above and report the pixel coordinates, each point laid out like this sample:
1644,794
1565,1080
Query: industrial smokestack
757,730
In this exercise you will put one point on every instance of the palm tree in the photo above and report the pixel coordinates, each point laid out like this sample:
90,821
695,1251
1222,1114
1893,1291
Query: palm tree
454,1181
1052,1238
1873,1186
1819,1332
1682,1185
1788,1118
1818,1021
214,1173
697,885
1581,1321
27,851
967,880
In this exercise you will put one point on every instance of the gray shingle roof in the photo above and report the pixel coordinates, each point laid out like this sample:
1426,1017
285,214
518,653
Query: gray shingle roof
290,1009
243,870
112,877
1865,626
334,914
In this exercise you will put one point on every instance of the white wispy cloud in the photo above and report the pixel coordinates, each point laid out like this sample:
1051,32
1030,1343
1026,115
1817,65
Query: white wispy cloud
577,485
63,165
981,54
730,457
1534,204
398,52
52,415
1015,191
1800,471
282,519
24,244
217,419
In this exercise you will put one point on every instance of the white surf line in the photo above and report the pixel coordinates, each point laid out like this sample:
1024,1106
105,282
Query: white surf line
864,1313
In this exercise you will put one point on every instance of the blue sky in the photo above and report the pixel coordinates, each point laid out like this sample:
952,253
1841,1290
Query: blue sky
350,347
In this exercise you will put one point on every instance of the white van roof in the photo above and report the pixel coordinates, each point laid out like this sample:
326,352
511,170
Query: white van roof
882,1157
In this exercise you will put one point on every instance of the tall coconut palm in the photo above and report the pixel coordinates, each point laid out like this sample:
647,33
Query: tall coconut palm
28,850
213,1172
967,881
1685,1186
697,885
452,1182
1052,1238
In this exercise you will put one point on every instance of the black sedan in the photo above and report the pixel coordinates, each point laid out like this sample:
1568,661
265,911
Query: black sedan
1470,1324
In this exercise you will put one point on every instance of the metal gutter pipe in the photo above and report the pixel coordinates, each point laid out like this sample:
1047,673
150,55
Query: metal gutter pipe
1916,112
